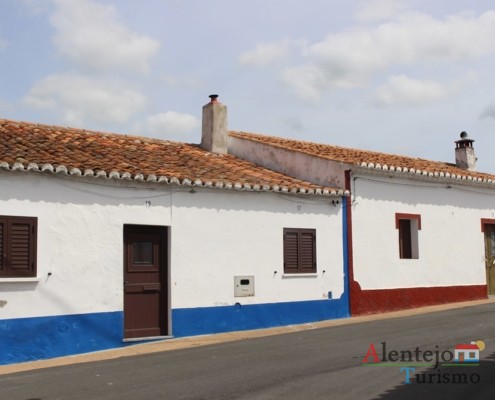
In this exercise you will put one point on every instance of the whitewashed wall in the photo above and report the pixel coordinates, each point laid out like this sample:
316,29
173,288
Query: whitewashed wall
217,236
451,244
214,236
80,242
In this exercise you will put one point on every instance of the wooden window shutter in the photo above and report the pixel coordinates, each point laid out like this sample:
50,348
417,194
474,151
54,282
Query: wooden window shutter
299,250
18,249
307,246
20,246
408,226
405,248
291,250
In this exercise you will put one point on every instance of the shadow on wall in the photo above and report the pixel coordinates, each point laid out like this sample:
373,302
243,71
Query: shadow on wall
100,191
414,193
468,382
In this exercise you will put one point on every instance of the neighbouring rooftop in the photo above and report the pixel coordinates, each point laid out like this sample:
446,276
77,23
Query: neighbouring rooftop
369,159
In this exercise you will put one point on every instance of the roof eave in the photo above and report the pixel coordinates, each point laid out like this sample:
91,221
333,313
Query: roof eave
62,170
412,173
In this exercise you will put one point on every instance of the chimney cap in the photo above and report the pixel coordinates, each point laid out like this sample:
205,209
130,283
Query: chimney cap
464,153
464,140
213,97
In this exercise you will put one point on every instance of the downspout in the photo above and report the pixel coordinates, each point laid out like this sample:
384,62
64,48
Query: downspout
345,253
348,240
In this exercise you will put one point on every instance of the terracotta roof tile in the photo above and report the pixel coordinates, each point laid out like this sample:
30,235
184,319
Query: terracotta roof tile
29,146
365,157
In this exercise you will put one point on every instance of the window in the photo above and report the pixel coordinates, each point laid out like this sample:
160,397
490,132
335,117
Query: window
299,251
142,253
18,247
408,226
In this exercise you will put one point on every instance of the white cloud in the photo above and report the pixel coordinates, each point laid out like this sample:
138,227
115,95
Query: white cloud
306,80
351,58
401,90
91,35
372,10
264,54
79,99
169,123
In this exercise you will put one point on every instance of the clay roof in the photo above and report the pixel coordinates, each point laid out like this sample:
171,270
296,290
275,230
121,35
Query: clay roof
370,159
77,152
466,347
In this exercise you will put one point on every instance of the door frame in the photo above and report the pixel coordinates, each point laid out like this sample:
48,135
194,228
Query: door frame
165,303
484,223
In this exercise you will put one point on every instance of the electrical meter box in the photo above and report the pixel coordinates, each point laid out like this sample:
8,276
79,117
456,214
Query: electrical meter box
243,286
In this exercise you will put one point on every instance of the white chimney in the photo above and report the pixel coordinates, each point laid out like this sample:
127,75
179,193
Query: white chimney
214,131
464,153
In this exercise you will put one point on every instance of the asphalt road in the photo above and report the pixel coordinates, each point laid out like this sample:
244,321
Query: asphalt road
317,364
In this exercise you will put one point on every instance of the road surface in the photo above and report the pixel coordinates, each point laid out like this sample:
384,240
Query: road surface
324,363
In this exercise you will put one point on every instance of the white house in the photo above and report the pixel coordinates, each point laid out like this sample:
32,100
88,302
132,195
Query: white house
467,353
419,232
108,238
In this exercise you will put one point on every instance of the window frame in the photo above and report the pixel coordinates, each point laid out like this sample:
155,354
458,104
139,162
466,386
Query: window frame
486,221
6,270
408,235
300,268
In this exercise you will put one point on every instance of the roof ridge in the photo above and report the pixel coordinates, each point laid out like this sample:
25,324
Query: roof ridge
88,131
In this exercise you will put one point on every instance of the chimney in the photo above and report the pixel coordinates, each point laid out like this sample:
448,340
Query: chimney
464,153
214,131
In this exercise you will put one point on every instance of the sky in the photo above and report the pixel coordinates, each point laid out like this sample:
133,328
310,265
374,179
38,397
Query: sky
403,77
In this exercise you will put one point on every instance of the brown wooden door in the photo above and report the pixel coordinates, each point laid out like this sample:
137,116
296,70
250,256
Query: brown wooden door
145,281
490,257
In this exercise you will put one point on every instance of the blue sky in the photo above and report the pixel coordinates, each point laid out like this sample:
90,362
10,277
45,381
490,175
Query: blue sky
401,77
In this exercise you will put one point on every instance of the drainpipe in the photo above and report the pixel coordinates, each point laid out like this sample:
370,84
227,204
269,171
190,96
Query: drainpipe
348,239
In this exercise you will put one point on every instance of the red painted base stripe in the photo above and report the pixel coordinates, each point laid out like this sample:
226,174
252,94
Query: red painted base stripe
383,300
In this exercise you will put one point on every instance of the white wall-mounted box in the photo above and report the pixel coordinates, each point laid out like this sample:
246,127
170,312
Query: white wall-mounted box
244,286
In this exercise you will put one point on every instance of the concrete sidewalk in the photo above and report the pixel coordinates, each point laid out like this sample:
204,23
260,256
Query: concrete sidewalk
194,341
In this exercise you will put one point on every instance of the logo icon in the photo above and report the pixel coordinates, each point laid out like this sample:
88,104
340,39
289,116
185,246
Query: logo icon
464,355
468,353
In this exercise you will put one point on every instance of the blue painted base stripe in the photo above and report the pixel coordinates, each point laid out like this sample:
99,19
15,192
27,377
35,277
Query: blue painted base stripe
29,339
204,320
